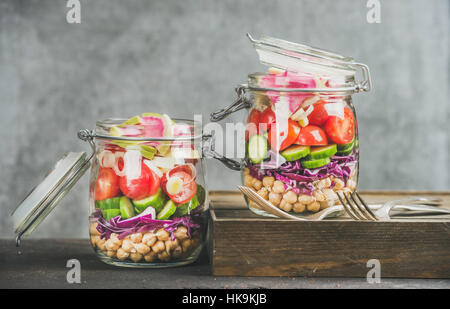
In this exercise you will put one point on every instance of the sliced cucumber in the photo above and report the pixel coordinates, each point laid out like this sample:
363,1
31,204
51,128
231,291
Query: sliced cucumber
126,208
257,148
110,203
315,163
186,208
110,213
168,210
295,152
201,194
322,152
156,201
345,147
344,152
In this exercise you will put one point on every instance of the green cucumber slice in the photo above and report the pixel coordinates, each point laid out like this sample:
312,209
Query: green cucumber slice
295,152
315,163
110,213
156,201
201,194
344,152
257,148
322,152
186,208
110,203
126,208
168,210
344,147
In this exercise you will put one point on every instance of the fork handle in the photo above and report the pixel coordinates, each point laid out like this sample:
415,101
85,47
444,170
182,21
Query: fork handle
423,208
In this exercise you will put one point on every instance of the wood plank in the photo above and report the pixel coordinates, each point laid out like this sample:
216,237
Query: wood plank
244,244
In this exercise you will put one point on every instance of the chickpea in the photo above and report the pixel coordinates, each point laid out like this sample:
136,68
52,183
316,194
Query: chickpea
101,244
110,245
257,184
326,204
278,187
319,196
290,197
115,239
253,204
186,244
149,239
164,256
150,257
181,233
330,195
324,183
93,229
162,234
275,198
246,171
177,252
171,244
264,193
314,206
142,248
128,246
110,253
248,180
351,184
136,238
285,206
299,207
94,240
338,184
268,182
305,199
122,254
158,246
135,257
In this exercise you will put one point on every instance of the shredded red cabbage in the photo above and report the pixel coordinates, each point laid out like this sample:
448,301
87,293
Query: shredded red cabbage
300,179
143,224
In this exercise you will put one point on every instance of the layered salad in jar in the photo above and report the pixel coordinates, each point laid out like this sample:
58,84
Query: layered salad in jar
301,147
148,197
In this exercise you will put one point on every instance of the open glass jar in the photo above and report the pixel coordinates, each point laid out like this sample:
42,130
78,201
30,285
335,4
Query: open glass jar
148,201
301,131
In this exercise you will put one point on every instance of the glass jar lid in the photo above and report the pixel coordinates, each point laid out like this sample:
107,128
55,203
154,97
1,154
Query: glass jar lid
303,59
45,196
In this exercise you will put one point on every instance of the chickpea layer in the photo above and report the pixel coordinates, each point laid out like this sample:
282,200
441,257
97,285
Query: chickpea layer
279,195
146,247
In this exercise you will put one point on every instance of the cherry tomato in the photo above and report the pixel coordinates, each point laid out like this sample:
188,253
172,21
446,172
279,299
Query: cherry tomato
144,185
341,131
251,127
107,184
312,135
187,191
293,132
266,119
319,114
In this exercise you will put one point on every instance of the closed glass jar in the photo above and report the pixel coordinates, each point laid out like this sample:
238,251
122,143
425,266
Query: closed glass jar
147,198
301,139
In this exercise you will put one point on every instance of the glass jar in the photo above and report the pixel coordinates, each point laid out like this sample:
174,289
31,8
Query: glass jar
301,136
148,202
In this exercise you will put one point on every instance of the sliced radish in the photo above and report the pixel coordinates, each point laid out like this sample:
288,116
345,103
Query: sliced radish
174,185
119,157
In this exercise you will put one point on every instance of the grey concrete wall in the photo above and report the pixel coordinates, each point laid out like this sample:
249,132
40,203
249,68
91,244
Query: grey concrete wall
181,57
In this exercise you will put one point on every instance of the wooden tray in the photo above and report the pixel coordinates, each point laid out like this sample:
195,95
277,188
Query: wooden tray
245,244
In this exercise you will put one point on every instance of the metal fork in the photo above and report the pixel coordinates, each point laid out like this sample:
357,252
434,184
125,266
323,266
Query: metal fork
358,209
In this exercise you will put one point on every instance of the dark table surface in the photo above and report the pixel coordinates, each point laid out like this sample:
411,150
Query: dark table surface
42,264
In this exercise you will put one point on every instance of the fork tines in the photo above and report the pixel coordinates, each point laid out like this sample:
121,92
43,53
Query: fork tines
356,207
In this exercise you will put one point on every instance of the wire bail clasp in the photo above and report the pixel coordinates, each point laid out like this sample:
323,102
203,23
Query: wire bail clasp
240,103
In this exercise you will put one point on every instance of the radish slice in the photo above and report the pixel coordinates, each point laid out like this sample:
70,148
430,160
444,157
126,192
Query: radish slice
119,156
174,185
106,158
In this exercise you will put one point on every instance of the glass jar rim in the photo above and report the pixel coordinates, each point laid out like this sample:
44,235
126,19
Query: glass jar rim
102,131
